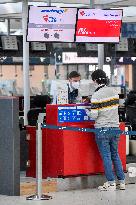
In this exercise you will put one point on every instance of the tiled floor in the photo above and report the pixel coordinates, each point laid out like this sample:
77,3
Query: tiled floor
80,197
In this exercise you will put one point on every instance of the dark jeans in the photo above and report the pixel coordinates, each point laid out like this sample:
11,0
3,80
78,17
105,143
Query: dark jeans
108,147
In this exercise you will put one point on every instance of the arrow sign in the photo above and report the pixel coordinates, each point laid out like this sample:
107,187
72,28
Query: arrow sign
58,57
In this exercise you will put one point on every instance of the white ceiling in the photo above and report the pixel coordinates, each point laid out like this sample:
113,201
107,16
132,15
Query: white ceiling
87,2
54,1
116,2
13,8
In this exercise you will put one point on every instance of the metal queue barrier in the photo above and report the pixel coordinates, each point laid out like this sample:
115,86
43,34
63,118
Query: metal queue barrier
40,126
39,195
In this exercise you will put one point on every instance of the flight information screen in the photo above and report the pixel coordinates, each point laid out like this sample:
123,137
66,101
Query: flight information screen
51,24
97,25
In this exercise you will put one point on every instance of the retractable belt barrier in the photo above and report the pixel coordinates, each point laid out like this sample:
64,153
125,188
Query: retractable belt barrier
38,195
40,126
106,130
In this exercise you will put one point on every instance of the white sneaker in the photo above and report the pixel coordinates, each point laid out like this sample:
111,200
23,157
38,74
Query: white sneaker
107,187
121,186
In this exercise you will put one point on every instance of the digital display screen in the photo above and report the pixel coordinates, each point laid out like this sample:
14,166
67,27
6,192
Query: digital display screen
72,114
97,25
51,24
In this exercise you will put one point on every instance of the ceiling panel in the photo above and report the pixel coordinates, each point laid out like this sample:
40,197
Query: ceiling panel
115,2
13,8
55,1
87,2
125,3
8,1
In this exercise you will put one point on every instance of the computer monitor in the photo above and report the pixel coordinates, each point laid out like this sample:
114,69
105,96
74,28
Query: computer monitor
87,88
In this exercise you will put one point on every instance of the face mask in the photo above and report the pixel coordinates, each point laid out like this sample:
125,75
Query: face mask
75,85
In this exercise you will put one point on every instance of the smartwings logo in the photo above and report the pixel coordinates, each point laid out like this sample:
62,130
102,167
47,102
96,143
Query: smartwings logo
58,11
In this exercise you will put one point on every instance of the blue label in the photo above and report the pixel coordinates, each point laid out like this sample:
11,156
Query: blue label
72,114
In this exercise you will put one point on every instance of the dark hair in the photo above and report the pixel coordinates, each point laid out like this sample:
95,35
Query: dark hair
100,77
74,74
131,98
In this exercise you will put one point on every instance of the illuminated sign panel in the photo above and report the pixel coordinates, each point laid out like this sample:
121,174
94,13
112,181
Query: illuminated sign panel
72,58
97,25
51,24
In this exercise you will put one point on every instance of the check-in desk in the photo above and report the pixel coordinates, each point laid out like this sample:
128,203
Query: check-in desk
68,152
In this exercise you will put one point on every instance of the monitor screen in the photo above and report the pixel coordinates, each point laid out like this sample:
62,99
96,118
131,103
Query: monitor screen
51,24
97,25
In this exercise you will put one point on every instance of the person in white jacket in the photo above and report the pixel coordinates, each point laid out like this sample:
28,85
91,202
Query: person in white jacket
104,110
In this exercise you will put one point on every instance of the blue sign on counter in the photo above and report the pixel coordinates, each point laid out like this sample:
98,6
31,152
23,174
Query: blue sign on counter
72,113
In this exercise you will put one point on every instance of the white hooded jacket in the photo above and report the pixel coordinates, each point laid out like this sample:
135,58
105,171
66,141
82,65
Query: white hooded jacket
104,107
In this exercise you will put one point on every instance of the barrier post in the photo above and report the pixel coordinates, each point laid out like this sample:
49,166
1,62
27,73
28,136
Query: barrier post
39,195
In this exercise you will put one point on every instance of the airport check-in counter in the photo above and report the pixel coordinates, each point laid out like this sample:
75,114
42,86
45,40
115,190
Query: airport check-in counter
68,152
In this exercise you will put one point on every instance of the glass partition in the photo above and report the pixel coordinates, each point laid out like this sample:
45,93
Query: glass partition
3,26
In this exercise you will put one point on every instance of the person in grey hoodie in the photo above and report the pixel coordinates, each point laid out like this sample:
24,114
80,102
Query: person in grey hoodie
104,110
